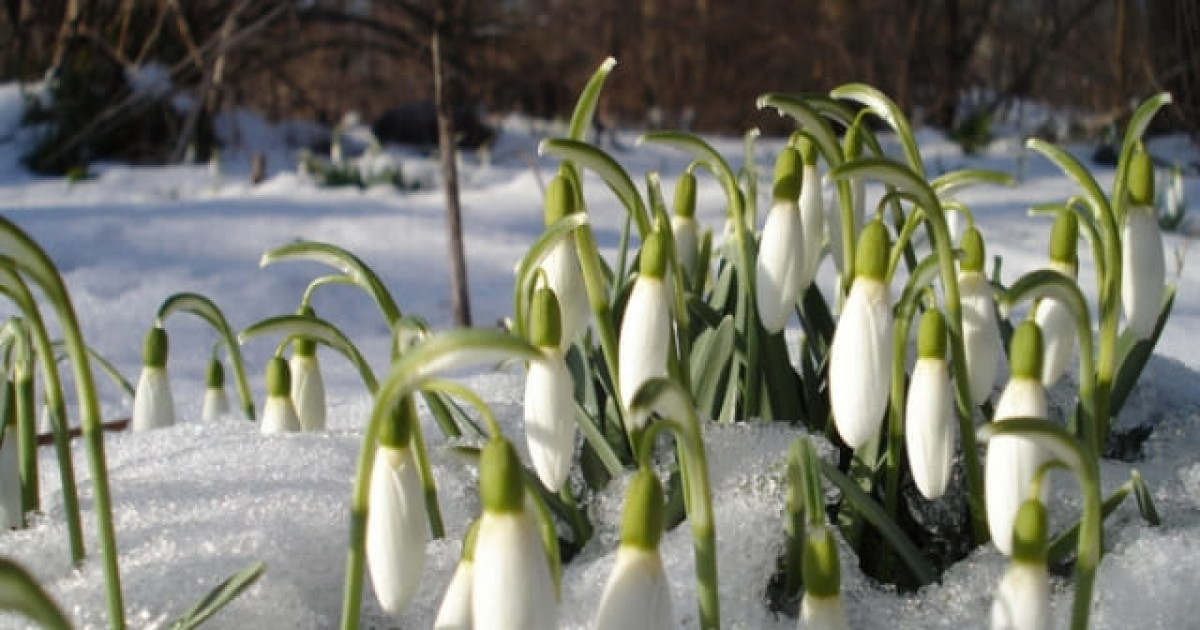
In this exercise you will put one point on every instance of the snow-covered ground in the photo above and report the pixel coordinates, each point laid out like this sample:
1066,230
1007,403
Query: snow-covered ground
198,501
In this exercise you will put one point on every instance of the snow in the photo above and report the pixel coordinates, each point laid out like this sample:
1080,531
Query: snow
196,502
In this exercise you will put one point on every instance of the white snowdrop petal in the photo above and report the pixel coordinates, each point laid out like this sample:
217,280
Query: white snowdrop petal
822,613
687,242
812,227
1023,598
308,392
645,337
397,529
549,420
859,362
279,416
981,334
1144,270
1012,461
637,595
215,406
929,426
153,405
564,276
779,266
512,588
455,611
1059,338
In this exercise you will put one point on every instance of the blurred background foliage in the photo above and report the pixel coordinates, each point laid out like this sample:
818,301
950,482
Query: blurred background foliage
691,64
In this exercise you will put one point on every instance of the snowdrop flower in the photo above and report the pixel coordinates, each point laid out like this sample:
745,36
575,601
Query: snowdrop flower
637,594
153,406
1052,316
929,411
821,607
812,214
549,397
683,225
11,515
1012,462
216,402
780,265
279,413
981,332
308,386
512,588
861,353
1143,270
397,529
455,611
1023,598
645,339
561,265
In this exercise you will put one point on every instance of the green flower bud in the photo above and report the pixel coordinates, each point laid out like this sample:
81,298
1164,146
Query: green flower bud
1026,351
303,346
870,259
642,520
1029,532
154,348
685,196
560,199
808,150
279,377
396,430
973,250
787,174
1141,178
931,339
820,566
545,319
215,376
1064,238
653,262
501,478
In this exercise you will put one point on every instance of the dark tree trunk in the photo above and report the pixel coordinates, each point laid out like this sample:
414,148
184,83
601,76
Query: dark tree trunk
461,298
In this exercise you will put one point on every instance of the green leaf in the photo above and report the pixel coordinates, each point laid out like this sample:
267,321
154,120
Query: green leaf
608,169
705,154
318,330
712,354
1133,135
810,120
219,597
1145,499
1064,544
207,310
1076,171
585,107
19,592
358,271
1134,353
887,528
887,111
955,181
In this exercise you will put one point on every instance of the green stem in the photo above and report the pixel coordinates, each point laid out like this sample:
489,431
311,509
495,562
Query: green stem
207,310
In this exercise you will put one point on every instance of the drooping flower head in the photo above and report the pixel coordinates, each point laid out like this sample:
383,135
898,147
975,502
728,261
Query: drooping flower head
645,340
455,611
308,385
1143,270
637,594
929,410
861,353
821,607
512,587
981,332
561,266
279,413
812,213
153,405
684,226
549,396
780,264
397,528
1054,318
1023,597
216,401
1013,461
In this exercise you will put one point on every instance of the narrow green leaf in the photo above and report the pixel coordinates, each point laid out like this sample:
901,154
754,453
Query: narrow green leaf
208,311
342,260
1133,135
608,169
887,111
1076,171
955,181
1064,544
1145,499
810,120
1133,354
712,353
106,366
20,592
585,107
318,330
219,597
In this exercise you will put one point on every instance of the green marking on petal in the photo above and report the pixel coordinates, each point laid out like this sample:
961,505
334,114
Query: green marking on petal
1027,351
501,478
154,348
